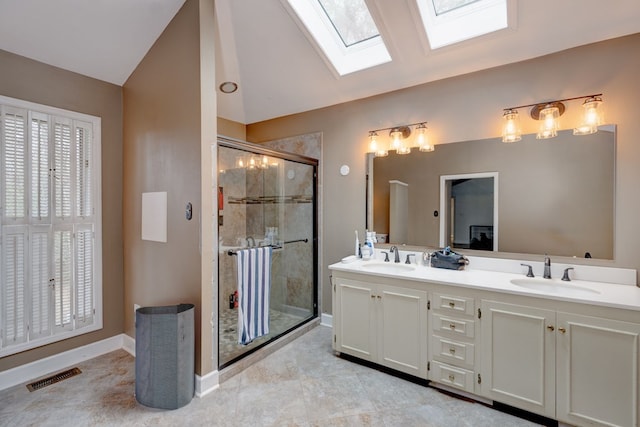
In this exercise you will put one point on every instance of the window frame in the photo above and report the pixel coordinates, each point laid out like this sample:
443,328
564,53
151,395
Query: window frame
80,325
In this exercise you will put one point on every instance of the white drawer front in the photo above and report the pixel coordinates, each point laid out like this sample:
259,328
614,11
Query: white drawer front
454,304
458,327
452,376
454,352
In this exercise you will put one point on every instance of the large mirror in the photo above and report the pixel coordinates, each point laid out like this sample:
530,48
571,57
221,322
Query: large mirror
553,196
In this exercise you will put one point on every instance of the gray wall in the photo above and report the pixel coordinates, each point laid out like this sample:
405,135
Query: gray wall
467,108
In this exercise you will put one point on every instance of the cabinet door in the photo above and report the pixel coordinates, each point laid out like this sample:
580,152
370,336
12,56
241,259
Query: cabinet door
403,330
355,328
518,356
597,369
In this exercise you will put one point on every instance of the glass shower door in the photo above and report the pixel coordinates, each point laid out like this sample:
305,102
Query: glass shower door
266,198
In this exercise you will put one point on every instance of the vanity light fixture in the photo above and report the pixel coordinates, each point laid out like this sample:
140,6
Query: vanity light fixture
511,131
548,114
593,116
399,135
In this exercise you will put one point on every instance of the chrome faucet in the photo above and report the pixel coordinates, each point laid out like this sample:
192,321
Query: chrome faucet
252,243
397,253
547,267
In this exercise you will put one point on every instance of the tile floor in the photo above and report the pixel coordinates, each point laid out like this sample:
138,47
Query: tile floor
301,384
228,346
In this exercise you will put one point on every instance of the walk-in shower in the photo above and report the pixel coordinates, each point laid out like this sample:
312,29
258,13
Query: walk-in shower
266,198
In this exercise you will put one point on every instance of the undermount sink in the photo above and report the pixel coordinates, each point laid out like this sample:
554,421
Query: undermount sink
388,267
554,287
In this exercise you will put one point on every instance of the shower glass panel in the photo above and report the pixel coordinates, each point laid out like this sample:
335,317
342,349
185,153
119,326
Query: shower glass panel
266,198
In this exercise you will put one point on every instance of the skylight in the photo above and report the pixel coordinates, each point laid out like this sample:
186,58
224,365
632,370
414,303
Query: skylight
451,21
345,32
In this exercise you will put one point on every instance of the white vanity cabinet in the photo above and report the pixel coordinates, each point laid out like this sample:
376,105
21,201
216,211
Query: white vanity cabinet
578,369
452,340
519,356
597,379
381,323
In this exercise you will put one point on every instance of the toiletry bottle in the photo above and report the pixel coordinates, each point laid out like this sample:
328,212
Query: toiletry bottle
368,245
357,252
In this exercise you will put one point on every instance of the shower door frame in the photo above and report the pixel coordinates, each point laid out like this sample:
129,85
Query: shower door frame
232,143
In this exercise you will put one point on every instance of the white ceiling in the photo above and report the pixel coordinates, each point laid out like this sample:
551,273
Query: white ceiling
279,71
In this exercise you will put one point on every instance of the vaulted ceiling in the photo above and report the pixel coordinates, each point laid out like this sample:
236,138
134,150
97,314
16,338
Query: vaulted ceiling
278,68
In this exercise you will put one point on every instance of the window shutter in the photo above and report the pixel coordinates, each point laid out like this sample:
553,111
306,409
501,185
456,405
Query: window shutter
62,279
84,276
62,168
40,282
84,169
14,162
14,280
39,166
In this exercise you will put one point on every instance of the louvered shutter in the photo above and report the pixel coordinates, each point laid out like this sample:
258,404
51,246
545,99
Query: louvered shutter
39,155
63,272
84,276
41,289
84,169
14,163
14,285
62,168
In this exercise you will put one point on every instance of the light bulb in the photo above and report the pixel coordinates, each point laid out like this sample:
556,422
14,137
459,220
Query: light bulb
593,117
374,145
511,132
548,122
422,140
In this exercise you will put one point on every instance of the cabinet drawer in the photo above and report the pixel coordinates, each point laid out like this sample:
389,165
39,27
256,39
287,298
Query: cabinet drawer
454,304
454,352
457,327
452,376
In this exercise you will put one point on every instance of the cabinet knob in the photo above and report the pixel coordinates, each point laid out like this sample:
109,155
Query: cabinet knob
551,328
379,297
452,304
373,296
452,350
452,377
563,330
452,326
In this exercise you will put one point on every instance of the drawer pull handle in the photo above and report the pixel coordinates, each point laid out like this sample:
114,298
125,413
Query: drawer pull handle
452,377
563,330
452,326
551,328
452,304
452,350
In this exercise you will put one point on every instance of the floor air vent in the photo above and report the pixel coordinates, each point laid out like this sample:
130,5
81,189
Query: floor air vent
37,385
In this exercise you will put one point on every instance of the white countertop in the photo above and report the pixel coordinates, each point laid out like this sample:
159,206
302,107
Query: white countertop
614,295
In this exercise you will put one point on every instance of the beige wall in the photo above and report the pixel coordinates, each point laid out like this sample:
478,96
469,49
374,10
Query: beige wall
33,81
232,129
167,143
470,107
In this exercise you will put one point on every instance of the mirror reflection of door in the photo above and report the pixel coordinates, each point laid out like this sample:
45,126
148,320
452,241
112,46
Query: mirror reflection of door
469,211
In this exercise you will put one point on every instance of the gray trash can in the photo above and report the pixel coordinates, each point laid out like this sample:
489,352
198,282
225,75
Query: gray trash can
165,356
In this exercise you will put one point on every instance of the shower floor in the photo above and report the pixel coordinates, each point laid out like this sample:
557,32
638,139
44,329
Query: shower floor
228,341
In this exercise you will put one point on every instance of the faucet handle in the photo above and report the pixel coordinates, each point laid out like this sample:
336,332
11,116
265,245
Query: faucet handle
529,271
565,276
408,261
386,256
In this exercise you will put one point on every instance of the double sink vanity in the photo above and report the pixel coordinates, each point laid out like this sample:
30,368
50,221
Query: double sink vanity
565,350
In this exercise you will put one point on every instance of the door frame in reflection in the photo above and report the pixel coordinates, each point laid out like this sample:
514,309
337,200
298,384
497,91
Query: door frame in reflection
446,210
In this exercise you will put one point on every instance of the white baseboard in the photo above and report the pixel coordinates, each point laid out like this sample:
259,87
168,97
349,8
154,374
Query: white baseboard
129,344
208,383
326,320
30,371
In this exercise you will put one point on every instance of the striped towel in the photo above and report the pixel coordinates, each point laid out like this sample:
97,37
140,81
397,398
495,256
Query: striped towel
254,286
